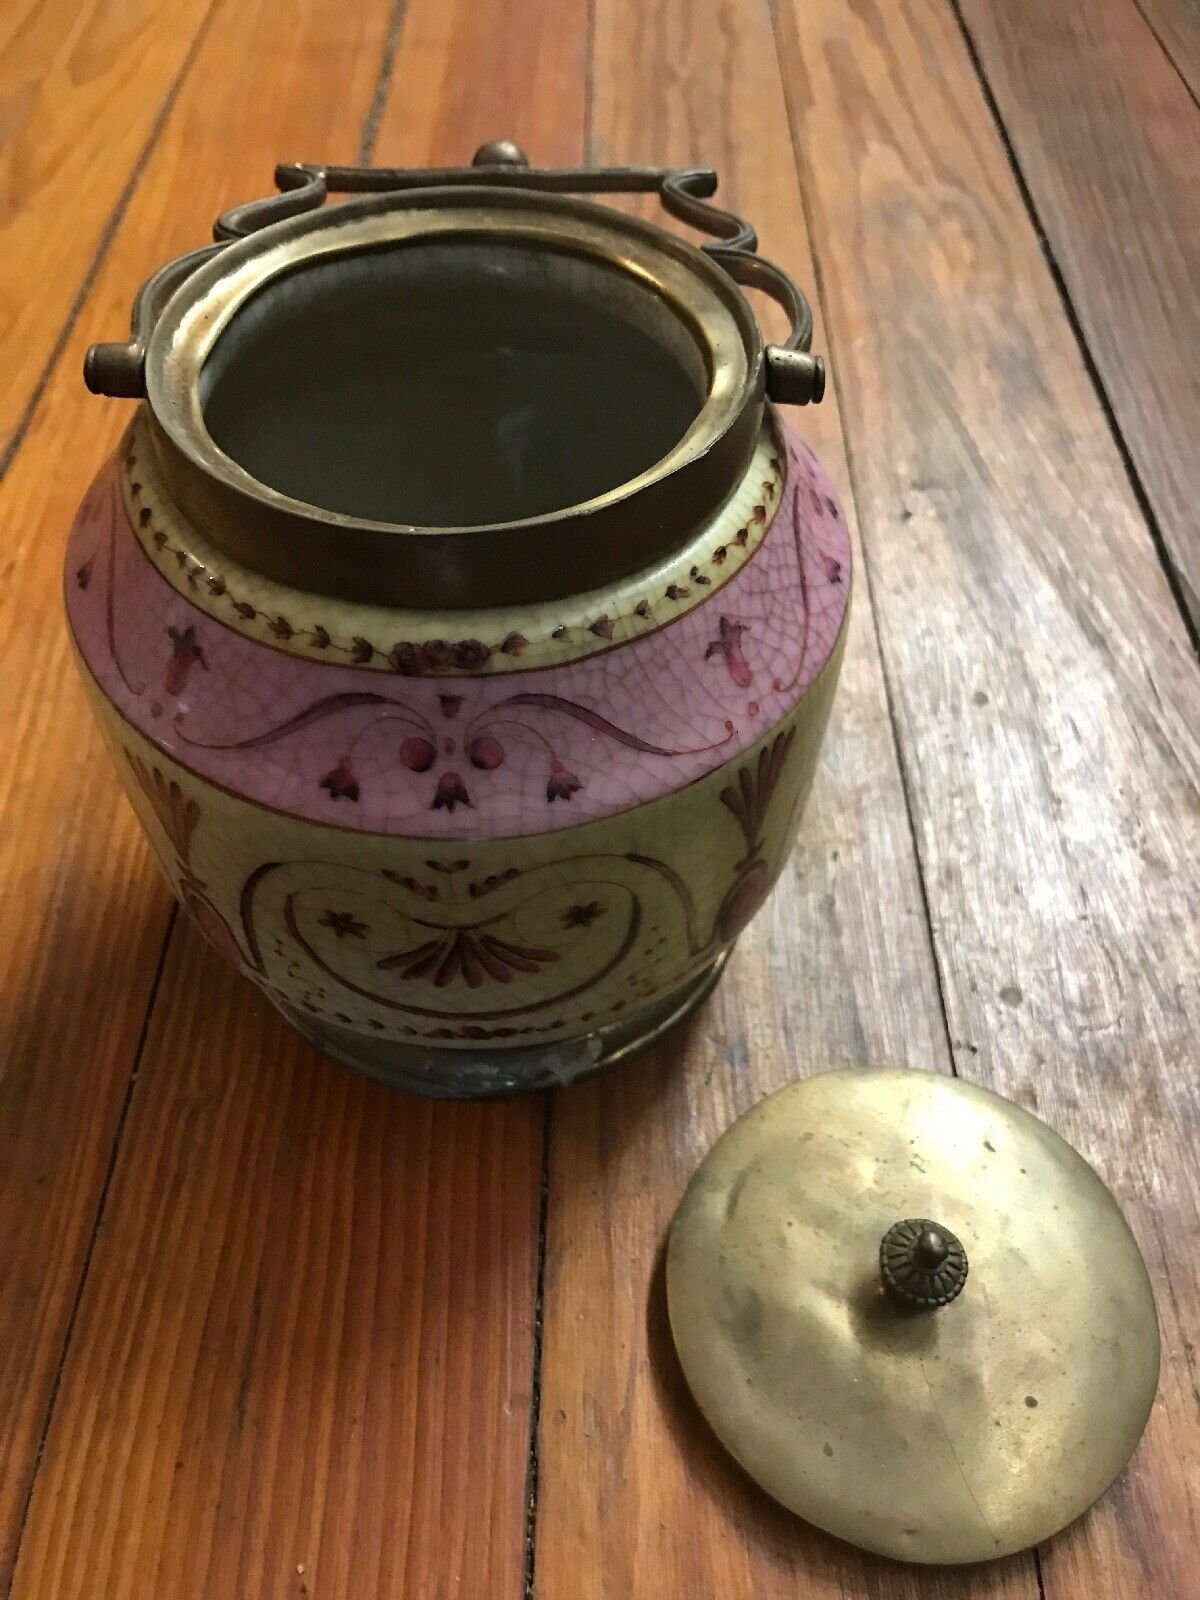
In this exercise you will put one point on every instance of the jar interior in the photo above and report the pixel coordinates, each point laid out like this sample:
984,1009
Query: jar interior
453,383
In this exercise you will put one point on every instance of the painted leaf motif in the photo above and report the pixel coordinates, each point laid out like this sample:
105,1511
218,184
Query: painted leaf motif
466,955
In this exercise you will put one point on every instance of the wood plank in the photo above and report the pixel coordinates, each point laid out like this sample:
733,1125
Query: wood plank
476,72
85,912
1176,25
1108,141
635,1496
81,90
1047,700
303,1358
85,921
313,1296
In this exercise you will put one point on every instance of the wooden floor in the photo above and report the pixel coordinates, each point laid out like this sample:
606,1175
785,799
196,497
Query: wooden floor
269,1331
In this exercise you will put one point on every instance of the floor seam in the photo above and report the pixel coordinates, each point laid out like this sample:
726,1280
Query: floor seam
383,83
1176,582
532,1463
872,604
89,1251
1162,45
589,87
115,218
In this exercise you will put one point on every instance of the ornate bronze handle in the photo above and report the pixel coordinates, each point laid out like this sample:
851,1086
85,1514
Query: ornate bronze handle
793,375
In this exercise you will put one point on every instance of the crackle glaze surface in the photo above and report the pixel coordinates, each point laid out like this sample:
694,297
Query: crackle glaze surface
459,852
454,753
507,942
503,639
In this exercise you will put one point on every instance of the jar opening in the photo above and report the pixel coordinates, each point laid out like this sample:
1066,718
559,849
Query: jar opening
452,382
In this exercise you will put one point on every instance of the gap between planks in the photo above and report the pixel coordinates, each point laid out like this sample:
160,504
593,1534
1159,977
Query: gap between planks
1166,50
368,135
383,83
107,235
1025,205
89,1248
533,1461
889,692
1140,493
535,1389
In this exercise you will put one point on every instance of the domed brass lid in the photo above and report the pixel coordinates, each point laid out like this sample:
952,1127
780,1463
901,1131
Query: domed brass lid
913,1313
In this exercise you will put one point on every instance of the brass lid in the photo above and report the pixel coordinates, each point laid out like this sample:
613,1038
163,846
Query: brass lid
913,1313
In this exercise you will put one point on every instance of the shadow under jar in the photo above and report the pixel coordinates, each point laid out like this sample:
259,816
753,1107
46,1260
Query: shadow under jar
461,619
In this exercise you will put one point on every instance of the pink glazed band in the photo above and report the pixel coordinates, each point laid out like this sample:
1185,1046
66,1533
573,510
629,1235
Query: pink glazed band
462,757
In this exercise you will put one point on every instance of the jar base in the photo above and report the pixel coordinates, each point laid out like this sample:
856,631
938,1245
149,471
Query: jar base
452,1074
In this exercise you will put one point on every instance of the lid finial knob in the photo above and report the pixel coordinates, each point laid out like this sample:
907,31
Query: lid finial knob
500,153
922,1264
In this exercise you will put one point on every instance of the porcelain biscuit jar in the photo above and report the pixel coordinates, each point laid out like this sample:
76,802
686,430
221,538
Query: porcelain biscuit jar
461,619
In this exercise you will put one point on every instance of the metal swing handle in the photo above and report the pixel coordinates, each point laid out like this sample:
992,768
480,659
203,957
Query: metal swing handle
793,375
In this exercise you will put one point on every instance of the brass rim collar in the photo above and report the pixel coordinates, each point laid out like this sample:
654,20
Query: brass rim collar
617,533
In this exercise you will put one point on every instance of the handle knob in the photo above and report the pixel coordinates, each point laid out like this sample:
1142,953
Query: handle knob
794,377
499,153
922,1264
116,369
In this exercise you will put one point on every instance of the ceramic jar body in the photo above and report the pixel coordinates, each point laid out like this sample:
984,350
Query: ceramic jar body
469,851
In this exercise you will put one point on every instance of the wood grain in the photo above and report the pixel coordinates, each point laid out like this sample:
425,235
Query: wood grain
310,1306
88,912
1045,693
303,1358
1176,25
1108,141
470,73
837,969
81,87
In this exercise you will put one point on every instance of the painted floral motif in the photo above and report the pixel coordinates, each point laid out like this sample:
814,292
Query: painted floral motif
441,959
410,658
462,758
748,800
469,955
427,891
441,954
339,781
177,812
562,783
582,915
451,791
438,655
418,750
728,645
186,652
179,815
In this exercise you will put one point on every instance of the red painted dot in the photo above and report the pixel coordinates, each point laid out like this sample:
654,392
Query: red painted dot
417,754
485,752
